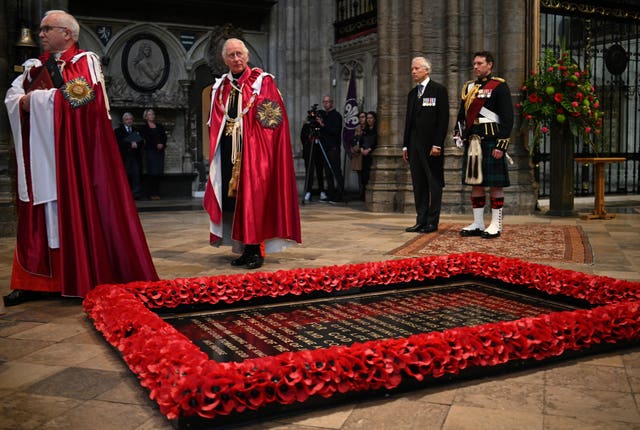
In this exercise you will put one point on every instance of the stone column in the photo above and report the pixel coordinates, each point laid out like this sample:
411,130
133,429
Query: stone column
300,38
189,129
389,184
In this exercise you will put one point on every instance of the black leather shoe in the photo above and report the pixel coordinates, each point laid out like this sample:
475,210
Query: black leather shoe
470,233
240,261
486,235
414,229
430,228
254,261
19,296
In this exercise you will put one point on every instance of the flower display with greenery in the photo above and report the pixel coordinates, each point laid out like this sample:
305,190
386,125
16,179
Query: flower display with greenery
560,93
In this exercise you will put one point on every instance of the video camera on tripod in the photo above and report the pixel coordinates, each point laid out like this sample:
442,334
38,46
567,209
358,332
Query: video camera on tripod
313,115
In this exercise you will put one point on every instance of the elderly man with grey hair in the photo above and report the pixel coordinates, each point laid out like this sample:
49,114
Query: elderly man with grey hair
251,176
426,126
77,223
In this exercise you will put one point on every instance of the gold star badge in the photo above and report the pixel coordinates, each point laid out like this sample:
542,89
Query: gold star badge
78,92
269,114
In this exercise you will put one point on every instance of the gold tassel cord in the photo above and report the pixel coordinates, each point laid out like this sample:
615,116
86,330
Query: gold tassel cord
236,159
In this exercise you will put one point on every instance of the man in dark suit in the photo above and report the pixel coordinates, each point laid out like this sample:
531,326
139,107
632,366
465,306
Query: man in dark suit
130,142
425,129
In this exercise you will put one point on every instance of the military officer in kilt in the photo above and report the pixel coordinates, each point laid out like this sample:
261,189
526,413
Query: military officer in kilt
485,121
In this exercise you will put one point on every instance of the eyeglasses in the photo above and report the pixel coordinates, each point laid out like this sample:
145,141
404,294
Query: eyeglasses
48,28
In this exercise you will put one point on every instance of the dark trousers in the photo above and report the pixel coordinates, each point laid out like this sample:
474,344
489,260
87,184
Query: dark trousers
427,189
335,180
226,168
133,167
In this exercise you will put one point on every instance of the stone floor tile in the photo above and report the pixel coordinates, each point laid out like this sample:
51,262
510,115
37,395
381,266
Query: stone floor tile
552,422
26,412
631,358
107,359
77,383
397,413
608,359
94,415
442,394
14,374
63,354
588,376
470,418
634,378
128,390
502,395
13,349
50,332
8,327
591,404
156,422
325,418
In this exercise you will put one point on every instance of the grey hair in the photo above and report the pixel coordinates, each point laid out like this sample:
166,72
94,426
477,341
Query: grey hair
126,114
65,19
226,44
426,63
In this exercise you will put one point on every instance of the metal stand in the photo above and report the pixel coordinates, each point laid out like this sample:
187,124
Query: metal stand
316,142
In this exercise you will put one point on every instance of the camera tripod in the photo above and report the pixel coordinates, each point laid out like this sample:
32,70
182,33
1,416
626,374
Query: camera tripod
314,138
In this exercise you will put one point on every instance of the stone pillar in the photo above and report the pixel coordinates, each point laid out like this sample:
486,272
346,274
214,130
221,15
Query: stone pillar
388,188
520,197
189,129
300,38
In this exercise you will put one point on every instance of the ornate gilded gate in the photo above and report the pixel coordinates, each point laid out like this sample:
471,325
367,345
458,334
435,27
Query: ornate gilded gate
606,39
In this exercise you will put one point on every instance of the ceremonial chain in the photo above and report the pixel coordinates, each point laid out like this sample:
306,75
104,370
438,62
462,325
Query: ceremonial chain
243,112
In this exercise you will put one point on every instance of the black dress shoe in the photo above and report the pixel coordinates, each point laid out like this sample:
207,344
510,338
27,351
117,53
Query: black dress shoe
254,261
240,261
470,233
486,235
19,296
430,228
414,229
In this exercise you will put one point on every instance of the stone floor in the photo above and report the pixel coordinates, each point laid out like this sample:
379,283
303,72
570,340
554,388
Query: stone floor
56,372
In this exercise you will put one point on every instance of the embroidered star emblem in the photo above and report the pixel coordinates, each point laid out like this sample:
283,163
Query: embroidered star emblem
269,114
78,92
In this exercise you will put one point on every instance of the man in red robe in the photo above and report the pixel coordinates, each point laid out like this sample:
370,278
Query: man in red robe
77,223
251,170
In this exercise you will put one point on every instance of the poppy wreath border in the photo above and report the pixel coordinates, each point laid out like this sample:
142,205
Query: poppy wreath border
186,383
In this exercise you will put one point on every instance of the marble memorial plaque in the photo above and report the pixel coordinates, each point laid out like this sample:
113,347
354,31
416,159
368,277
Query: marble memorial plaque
240,334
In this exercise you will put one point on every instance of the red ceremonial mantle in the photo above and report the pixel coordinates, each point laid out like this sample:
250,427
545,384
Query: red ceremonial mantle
185,383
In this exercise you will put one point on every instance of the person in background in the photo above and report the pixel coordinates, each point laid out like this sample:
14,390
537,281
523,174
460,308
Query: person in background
130,142
78,226
369,142
331,138
251,161
362,119
155,142
356,151
487,114
426,126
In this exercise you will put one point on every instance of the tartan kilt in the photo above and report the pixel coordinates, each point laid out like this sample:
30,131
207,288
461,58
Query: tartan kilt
494,172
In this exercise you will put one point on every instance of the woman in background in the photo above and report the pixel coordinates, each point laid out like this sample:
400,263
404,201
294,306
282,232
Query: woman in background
367,145
155,143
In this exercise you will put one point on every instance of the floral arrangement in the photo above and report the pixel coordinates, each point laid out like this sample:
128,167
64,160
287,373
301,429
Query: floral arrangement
560,93
186,383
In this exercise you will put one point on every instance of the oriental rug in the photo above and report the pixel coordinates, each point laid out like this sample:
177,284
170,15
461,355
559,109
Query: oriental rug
532,242
199,385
